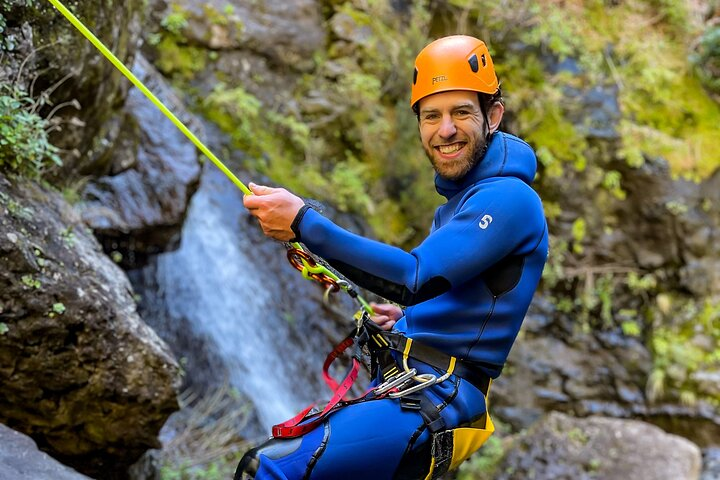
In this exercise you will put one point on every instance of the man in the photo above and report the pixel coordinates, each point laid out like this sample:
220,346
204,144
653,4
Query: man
466,287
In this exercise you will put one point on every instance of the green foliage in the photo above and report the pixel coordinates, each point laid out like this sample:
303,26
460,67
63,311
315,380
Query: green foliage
30,282
579,230
483,465
24,145
684,341
174,56
706,59
68,237
4,328
175,21
631,328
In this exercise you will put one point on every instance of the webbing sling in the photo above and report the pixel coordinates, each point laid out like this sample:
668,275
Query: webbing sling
304,421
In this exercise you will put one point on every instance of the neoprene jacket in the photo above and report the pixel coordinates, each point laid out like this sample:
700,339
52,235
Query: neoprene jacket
468,285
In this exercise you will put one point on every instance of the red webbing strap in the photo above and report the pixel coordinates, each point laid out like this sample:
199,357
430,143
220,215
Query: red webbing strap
294,428
332,356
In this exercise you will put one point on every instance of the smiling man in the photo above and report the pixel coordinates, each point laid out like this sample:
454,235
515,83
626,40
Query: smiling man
465,289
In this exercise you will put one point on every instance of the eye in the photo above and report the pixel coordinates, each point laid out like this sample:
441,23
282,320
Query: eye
431,116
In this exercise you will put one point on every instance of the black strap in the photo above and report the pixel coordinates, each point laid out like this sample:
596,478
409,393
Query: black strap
435,358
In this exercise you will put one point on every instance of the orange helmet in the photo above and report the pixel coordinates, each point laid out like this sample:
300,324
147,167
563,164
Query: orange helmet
457,62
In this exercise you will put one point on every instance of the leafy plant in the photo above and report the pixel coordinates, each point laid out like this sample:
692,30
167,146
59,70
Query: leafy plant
24,145
687,344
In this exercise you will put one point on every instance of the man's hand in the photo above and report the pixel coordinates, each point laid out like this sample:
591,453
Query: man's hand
386,314
276,209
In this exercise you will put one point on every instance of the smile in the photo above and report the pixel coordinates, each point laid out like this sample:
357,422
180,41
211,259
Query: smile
449,149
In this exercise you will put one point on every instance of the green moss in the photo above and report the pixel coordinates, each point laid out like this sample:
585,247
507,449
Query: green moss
178,60
175,21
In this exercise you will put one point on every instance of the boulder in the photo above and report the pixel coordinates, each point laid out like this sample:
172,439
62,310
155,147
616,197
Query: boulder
562,447
139,206
81,373
20,458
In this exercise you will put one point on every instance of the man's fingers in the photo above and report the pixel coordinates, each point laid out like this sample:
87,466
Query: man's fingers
260,189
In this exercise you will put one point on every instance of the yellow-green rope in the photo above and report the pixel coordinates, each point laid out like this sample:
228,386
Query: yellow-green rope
180,125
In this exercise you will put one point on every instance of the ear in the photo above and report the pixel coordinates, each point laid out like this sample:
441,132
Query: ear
495,117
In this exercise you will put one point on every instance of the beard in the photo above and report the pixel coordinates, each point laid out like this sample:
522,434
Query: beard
462,165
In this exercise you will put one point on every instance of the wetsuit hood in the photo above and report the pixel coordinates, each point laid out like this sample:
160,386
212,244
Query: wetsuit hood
506,156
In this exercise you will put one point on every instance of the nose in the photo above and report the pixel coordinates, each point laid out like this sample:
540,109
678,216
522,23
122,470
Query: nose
447,127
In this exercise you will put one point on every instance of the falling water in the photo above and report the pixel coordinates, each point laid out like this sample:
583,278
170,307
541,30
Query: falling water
220,286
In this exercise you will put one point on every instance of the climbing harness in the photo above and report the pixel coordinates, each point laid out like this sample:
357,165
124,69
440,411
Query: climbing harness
449,447
298,257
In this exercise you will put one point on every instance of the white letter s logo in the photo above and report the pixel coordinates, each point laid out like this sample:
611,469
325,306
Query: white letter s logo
485,221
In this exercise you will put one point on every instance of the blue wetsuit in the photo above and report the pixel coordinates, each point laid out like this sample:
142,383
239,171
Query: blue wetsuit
466,287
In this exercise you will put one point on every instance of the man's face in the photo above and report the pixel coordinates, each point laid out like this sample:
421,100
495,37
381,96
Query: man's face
452,130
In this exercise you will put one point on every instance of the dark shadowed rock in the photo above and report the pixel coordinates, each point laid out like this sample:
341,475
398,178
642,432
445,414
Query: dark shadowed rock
20,458
140,206
81,373
560,447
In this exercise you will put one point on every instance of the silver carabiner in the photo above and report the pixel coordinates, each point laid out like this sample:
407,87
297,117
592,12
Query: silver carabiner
394,381
428,380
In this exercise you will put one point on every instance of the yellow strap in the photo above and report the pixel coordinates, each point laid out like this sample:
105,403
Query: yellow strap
451,368
432,469
408,345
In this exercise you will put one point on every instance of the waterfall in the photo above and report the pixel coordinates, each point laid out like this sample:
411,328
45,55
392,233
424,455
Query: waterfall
220,295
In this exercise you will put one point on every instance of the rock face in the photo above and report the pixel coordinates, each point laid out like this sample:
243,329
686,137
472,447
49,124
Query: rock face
20,458
68,68
139,207
262,47
80,372
560,447
554,367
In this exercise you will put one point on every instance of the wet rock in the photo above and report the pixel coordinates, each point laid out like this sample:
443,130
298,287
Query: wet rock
20,458
81,373
139,208
563,447
711,464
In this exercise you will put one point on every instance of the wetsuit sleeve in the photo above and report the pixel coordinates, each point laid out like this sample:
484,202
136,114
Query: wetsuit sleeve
502,218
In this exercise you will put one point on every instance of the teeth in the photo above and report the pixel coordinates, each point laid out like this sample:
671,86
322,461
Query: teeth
446,149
